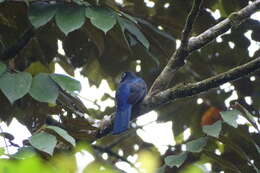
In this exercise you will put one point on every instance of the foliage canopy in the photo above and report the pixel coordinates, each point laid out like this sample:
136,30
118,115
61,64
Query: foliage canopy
102,39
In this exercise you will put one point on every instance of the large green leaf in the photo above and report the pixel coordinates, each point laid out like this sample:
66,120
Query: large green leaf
44,142
70,18
230,117
44,89
214,129
131,27
197,145
16,85
63,134
102,18
2,68
41,13
67,83
176,160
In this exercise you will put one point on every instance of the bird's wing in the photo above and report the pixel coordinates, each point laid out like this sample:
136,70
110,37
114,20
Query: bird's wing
138,90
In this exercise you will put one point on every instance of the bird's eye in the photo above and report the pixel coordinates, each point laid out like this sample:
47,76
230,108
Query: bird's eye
123,77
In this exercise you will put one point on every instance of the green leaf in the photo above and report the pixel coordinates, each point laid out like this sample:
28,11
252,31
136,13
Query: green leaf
44,142
103,18
2,1
2,68
44,89
161,169
131,27
176,160
16,85
41,13
214,129
197,145
230,117
70,18
67,83
63,134
24,152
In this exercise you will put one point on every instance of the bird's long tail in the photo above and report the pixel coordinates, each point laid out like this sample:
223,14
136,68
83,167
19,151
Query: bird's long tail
122,119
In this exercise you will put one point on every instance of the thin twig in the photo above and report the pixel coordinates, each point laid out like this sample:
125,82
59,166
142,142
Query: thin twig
189,22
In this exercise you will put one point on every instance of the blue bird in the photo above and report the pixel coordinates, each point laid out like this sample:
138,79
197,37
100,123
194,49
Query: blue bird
131,91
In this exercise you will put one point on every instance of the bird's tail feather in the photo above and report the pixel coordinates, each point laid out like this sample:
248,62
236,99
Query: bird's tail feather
122,119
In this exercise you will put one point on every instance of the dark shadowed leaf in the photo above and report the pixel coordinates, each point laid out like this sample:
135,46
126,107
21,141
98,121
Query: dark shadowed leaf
224,164
176,160
102,18
214,129
70,18
63,134
16,85
156,30
41,13
44,89
131,27
2,68
44,142
197,145
67,83
37,67
230,117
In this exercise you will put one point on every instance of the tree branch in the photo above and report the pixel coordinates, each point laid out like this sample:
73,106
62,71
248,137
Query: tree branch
181,91
16,48
233,20
177,59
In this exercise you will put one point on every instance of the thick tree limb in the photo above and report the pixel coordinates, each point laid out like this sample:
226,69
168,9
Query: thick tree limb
181,91
177,59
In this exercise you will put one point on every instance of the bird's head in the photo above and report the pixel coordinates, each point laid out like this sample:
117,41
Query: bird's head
127,75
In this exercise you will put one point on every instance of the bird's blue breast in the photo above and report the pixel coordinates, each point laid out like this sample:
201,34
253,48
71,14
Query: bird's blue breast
130,92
